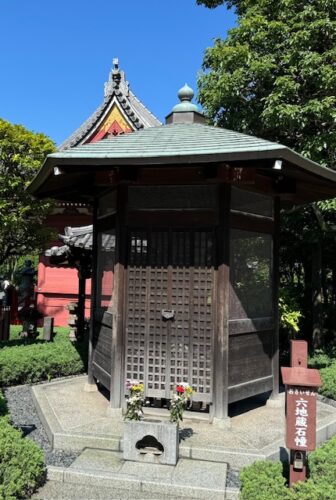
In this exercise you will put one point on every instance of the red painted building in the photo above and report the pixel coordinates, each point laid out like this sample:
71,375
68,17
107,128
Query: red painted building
121,112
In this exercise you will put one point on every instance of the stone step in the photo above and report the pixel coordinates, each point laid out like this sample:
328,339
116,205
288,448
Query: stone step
107,469
55,490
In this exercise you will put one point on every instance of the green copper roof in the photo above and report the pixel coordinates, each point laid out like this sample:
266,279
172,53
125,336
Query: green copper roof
179,139
177,143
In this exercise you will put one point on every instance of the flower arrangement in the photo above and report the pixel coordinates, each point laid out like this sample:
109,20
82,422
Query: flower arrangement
135,400
182,395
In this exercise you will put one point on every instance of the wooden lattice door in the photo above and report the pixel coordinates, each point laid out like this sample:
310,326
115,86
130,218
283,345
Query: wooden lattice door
169,310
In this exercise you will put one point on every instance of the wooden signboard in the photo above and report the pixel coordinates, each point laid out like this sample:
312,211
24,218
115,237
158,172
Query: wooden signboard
301,395
301,418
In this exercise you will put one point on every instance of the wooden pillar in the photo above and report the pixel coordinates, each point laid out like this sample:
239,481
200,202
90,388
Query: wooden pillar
221,334
275,286
117,388
93,306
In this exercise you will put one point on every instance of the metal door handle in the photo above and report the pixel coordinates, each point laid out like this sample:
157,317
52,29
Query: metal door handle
168,313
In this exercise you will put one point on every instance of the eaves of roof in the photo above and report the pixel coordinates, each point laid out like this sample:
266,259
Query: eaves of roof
176,144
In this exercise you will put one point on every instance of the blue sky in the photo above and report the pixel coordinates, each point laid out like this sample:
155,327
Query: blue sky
56,55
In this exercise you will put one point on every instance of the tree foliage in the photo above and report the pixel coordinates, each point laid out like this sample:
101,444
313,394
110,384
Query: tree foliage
275,75
21,216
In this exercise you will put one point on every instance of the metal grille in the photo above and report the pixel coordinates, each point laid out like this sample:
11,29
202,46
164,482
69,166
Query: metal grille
170,270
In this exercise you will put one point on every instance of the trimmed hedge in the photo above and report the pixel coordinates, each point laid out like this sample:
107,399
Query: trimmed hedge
325,361
30,361
262,481
22,467
22,361
265,480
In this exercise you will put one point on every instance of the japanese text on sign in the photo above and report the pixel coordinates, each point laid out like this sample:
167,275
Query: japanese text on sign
301,418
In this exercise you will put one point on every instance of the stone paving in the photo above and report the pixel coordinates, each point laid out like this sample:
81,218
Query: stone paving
80,420
75,419
189,478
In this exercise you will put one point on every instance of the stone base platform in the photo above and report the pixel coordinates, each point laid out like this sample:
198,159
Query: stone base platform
75,419
107,469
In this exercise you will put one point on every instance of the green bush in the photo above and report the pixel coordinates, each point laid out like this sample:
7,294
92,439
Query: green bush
310,490
22,467
322,462
325,361
320,359
3,405
265,481
328,376
29,361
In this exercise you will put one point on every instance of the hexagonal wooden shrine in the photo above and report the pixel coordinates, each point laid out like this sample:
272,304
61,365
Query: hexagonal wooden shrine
185,248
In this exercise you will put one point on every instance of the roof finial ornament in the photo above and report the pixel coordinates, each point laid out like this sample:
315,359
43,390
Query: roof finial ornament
116,76
185,111
185,94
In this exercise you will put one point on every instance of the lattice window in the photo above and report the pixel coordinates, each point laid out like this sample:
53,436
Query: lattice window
180,296
202,320
157,300
136,317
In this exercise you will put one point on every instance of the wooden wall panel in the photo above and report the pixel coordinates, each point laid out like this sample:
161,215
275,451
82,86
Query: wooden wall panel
249,325
250,356
102,348
101,375
251,388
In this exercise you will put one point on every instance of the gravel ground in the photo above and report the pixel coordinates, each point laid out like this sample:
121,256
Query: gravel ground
24,416
232,478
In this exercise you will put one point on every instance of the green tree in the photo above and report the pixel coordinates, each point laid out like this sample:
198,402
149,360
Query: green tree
274,76
21,216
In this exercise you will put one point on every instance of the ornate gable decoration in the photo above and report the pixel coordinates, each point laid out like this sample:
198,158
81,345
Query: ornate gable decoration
121,112
114,123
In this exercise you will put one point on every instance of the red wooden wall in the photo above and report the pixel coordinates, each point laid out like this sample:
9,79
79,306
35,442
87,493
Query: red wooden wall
57,286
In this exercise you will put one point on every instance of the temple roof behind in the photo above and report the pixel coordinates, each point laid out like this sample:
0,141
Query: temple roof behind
120,112
77,238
